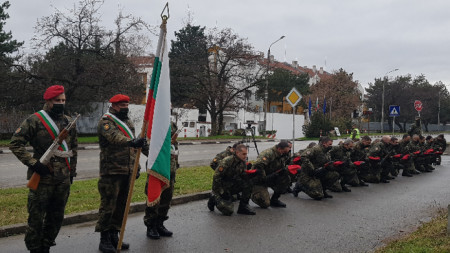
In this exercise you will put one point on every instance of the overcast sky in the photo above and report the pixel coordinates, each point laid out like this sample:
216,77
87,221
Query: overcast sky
367,38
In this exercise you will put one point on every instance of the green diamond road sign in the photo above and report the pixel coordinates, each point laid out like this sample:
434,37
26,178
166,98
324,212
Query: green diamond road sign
293,97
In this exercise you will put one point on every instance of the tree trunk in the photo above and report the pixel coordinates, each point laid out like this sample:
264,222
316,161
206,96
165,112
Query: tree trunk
220,123
213,123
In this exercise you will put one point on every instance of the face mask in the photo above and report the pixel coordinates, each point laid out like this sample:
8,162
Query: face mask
57,109
123,113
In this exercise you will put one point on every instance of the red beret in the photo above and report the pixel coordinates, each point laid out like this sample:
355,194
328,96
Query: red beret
119,98
53,91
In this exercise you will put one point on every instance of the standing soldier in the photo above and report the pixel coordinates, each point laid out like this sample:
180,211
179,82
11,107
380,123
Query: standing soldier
415,128
118,148
156,215
317,174
232,177
46,204
273,173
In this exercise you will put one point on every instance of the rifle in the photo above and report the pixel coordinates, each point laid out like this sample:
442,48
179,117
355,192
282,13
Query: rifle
33,183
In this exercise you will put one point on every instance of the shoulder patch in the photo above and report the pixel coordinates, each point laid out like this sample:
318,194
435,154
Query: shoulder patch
376,148
215,160
106,127
264,158
220,169
18,130
308,152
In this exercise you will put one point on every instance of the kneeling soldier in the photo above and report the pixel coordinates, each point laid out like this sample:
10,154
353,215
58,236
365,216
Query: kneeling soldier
232,177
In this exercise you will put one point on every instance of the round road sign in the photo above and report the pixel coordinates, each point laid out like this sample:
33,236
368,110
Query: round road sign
418,105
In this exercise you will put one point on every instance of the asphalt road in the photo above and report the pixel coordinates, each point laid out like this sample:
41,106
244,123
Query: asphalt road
359,221
13,172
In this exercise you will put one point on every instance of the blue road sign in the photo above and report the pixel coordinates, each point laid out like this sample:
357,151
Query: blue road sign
394,110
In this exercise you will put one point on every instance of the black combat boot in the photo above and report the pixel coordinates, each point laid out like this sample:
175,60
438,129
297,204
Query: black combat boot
152,231
45,250
244,208
105,243
297,189
406,174
211,203
35,250
161,229
384,180
345,188
362,183
325,194
275,202
114,235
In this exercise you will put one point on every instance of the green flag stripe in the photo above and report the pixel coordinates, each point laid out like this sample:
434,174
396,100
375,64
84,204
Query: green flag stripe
154,72
155,90
163,159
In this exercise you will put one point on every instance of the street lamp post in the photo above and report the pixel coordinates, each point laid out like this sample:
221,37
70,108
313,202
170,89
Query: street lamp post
382,100
266,90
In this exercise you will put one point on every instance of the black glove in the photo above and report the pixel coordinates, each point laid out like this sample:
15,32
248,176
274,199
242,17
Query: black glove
71,179
40,168
137,143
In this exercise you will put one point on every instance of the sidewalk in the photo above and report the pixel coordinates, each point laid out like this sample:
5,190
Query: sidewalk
93,146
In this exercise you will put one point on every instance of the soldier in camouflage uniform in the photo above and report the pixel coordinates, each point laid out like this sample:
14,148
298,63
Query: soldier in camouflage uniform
396,155
118,148
227,152
156,215
232,177
359,158
377,156
440,144
317,174
46,204
273,173
415,128
347,170
413,148
406,162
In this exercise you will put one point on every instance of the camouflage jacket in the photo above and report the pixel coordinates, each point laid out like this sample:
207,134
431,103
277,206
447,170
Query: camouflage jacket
269,161
339,153
413,147
231,171
414,130
403,147
116,157
440,144
378,150
359,152
34,132
215,162
314,158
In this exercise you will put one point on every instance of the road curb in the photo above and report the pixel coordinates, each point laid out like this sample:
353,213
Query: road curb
76,218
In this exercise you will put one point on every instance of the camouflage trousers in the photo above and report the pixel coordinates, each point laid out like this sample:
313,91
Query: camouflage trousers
160,210
373,174
224,202
314,186
45,214
349,176
279,184
113,191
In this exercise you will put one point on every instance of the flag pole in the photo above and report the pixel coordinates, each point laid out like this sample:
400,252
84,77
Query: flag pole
162,35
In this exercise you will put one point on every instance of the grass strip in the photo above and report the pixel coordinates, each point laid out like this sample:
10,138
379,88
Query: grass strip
429,237
84,195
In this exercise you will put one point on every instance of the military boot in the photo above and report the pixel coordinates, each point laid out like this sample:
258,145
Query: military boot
45,250
162,230
275,202
406,174
114,234
345,188
325,194
105,243
362,183
211,203
35,250
152,231
244,208
297,189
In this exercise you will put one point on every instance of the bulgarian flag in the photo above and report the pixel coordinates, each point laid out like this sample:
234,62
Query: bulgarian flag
157,114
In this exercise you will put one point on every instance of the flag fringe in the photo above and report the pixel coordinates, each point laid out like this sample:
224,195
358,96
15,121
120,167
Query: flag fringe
165,186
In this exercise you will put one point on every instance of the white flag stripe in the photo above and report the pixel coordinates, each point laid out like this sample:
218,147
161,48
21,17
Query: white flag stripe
161,116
